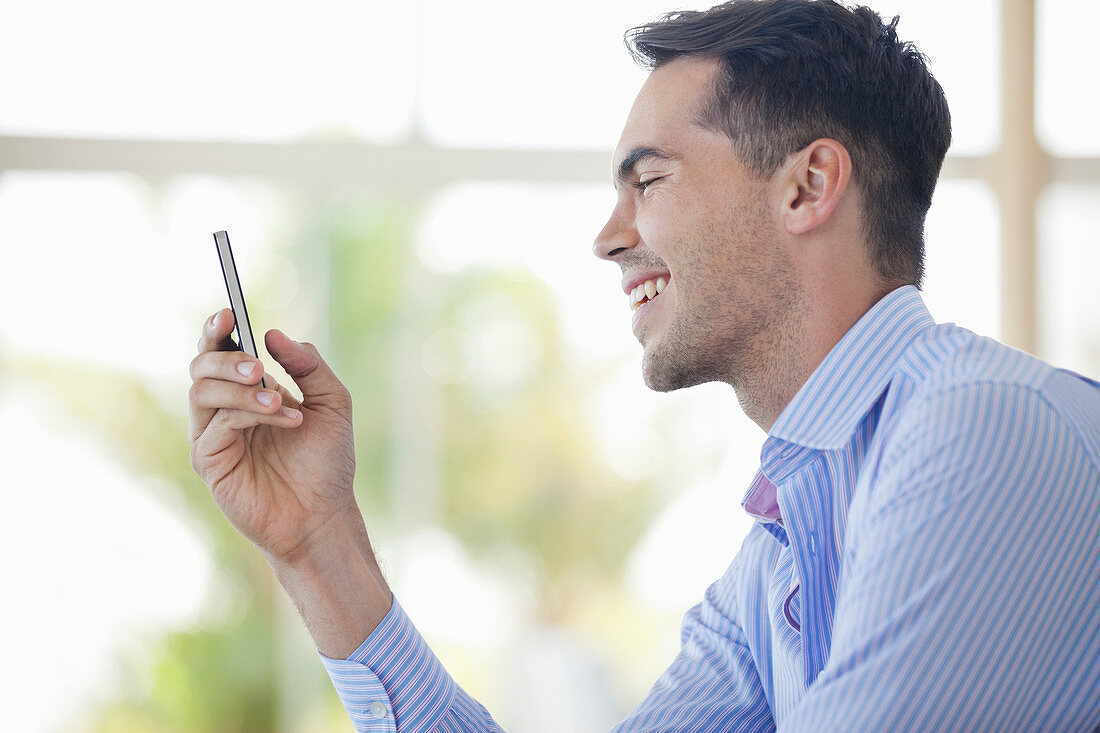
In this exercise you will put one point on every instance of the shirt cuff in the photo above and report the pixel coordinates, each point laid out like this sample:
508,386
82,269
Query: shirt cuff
393,680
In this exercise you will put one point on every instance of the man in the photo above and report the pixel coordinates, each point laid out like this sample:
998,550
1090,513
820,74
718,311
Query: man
928,500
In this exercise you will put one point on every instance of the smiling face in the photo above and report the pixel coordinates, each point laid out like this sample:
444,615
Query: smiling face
688,212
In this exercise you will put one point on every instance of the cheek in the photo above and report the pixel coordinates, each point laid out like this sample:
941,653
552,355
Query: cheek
665,221
654,230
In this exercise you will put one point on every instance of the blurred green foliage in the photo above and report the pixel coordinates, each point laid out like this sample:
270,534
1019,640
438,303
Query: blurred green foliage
517,471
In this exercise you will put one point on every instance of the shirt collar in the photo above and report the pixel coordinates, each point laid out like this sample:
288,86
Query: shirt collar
828,408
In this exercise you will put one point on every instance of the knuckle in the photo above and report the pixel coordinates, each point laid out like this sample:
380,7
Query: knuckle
341,396
193,367
198,460
221,419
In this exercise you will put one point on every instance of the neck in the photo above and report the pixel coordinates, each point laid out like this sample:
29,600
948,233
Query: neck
797,348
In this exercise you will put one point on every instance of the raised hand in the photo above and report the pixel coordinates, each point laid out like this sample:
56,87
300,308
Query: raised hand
279,468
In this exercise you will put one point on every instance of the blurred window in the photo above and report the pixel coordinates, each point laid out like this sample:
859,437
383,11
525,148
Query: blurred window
962,280
571,90
208,69
1069,300
962,43
1067,103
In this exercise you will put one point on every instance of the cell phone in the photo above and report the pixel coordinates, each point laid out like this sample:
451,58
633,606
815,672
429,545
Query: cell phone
245,342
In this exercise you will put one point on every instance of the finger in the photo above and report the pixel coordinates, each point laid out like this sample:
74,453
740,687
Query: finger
231,366
203,415
242,419
225,428
217,393
302,361
217,332
208,396
237,366
288,397
214,337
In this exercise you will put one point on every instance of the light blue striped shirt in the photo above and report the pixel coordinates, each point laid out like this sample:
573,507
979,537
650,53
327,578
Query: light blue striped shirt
926,557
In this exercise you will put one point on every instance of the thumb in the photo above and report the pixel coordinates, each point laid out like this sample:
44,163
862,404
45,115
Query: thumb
309,371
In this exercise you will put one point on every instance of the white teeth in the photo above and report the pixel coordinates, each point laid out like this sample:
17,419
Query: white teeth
647,291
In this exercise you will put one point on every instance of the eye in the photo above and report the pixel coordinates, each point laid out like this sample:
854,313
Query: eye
643,186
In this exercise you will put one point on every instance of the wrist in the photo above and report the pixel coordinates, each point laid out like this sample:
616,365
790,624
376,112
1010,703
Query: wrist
336,584
340,532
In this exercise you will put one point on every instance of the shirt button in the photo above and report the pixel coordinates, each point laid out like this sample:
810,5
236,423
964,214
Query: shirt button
378,709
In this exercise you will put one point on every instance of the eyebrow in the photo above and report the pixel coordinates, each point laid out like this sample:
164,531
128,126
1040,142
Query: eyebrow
635,156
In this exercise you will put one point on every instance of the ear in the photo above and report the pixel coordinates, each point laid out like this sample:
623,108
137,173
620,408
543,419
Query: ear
815,178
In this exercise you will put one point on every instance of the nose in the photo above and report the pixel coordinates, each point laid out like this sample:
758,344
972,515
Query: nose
618,235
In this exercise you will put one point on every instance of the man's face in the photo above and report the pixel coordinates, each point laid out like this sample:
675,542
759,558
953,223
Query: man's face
691,217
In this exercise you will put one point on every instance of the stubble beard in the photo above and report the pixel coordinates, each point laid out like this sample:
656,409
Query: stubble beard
691,352
741,331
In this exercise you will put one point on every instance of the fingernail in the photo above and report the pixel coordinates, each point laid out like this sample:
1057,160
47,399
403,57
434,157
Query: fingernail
265,398
290,412
246,368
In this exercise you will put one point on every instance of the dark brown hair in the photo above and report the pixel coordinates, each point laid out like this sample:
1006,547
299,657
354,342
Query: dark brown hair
797,70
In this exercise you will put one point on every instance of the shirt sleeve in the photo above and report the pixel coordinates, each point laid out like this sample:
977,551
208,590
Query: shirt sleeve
394,683
971,576
713,684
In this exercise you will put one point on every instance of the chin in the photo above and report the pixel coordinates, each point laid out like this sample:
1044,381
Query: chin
668,372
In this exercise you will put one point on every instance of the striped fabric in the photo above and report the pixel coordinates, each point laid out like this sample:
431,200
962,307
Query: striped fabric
393,682
926,557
